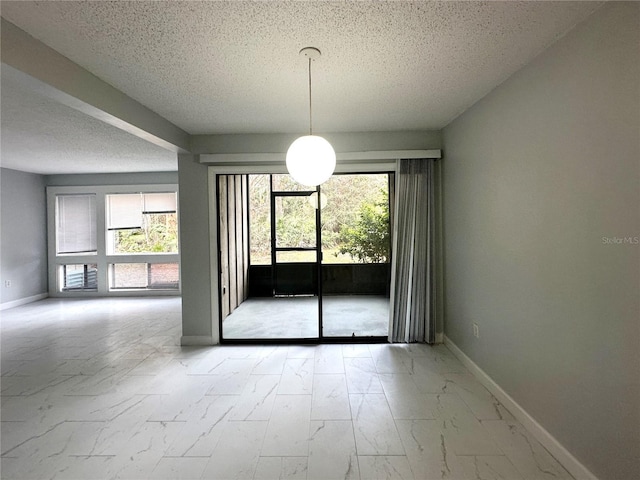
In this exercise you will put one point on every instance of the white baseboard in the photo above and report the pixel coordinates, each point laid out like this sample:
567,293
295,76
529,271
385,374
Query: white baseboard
23,301
196,340
440,337
568,461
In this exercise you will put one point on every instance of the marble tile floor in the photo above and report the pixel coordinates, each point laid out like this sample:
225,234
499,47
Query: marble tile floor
297,317
100,388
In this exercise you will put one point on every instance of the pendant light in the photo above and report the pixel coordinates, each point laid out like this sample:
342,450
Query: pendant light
311,159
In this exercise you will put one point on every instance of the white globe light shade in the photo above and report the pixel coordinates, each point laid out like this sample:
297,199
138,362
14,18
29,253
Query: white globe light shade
311,160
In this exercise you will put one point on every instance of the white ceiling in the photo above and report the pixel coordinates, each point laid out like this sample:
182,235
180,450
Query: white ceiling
42,136
233,67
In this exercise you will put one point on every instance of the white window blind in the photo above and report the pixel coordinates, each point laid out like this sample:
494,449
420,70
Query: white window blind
124,211
76,224
160,203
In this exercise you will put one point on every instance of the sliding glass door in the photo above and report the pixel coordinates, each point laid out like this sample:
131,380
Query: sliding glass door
356,244
283,276
318,259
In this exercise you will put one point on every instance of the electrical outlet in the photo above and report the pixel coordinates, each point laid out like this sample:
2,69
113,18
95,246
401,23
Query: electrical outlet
7,283
476,330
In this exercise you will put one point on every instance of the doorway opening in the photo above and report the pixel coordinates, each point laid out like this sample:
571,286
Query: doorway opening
300,264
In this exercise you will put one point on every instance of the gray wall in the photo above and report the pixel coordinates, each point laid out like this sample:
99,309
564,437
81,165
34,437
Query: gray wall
199,316
537,177
195,266
23,235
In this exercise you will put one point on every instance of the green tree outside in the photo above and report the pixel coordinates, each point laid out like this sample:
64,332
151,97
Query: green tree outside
355,202
159,234
368,239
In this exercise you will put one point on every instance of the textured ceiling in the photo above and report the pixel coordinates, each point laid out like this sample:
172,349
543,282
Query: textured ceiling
233,67
42,136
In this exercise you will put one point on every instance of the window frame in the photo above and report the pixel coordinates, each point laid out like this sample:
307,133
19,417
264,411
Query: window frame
102,259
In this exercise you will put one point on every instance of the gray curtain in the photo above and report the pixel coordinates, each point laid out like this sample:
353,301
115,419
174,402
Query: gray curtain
414,292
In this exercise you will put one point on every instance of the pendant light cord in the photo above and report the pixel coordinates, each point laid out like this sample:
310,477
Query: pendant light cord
310,116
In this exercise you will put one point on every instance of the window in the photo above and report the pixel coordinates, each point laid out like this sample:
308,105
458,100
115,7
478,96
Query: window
163,275
78,277
142,223
128,275
148,276
355,219
76,224
113,240
260,219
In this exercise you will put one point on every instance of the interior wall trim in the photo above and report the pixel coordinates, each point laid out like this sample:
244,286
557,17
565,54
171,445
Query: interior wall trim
568,461
196,340
23,301
237,159
280,168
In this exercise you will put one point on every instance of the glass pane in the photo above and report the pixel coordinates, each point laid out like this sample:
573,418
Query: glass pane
164,275
128,275
160,276
355,219
295,222
159,202
356,269
159,234
78,277
355,316
76,224
296,257
260,219
284,183
124,211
